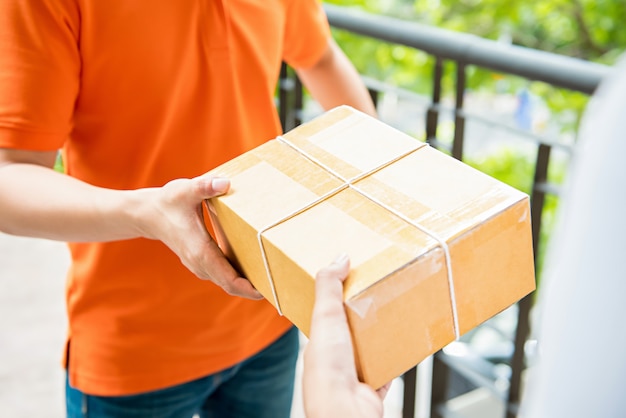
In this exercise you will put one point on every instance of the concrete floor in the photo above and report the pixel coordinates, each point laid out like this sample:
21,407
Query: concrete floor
32,331
32,327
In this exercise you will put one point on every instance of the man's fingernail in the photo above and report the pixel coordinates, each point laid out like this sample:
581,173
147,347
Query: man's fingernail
220,184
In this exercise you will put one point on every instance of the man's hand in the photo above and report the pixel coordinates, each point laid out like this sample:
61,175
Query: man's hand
75,211
178,222
331,386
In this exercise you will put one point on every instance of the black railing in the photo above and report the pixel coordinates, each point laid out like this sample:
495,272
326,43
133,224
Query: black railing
464,50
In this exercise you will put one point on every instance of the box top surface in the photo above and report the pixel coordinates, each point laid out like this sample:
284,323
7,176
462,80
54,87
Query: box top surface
346,182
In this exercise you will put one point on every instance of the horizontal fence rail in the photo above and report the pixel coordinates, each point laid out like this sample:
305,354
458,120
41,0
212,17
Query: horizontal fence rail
557,70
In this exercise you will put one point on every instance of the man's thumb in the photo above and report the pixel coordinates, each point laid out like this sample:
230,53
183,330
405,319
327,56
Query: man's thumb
206,187
220,185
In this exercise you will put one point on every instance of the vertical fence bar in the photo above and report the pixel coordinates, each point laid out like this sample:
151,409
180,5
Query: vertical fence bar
459,119
524,306
410,386
517,361
432,115
537,198
298,101
374,96
283,93
439,388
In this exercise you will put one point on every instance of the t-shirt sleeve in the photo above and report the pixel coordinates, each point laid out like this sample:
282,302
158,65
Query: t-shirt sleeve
39,72
307,33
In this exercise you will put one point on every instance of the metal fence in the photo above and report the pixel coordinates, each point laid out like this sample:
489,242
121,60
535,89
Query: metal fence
463,50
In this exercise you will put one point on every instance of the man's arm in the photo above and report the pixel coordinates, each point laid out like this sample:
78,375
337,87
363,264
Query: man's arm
334,81
38,202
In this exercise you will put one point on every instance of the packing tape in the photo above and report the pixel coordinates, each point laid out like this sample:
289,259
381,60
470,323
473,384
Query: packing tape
349,183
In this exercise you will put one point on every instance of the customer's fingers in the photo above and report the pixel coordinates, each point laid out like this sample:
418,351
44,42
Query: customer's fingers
329,292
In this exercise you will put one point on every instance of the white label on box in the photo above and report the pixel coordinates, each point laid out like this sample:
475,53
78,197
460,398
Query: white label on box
357,141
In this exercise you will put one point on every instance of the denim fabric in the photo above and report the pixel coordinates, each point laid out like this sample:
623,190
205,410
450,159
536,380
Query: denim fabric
259,387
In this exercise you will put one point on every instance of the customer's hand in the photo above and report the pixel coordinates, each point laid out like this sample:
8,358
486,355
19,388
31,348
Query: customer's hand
331,386
176,219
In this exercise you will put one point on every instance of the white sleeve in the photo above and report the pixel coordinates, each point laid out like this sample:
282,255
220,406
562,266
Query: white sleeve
581,368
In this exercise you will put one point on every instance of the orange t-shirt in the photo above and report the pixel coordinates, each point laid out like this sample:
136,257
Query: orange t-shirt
138,93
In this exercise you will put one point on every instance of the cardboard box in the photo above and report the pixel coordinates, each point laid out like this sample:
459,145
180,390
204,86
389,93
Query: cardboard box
403,211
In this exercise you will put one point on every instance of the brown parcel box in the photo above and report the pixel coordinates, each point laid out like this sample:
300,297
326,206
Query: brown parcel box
346,182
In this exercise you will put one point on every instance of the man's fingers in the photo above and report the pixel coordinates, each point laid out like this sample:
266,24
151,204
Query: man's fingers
242,287
220,271
181,203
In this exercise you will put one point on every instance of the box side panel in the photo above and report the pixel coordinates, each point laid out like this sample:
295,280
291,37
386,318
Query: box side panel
372,258
238,241
294,286
402,319
377,241
493,265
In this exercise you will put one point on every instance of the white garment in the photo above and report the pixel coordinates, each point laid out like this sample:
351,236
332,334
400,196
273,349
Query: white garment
581,368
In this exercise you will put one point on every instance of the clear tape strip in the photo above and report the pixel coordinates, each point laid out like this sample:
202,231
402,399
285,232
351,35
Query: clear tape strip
349,183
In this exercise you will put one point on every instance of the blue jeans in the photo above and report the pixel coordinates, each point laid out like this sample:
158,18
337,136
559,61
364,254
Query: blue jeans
259,387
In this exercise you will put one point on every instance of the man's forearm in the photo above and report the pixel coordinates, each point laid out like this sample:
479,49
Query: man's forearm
38,202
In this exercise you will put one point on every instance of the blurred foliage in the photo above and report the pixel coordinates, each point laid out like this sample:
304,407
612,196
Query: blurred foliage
508,166
58,163
592,30
589,29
